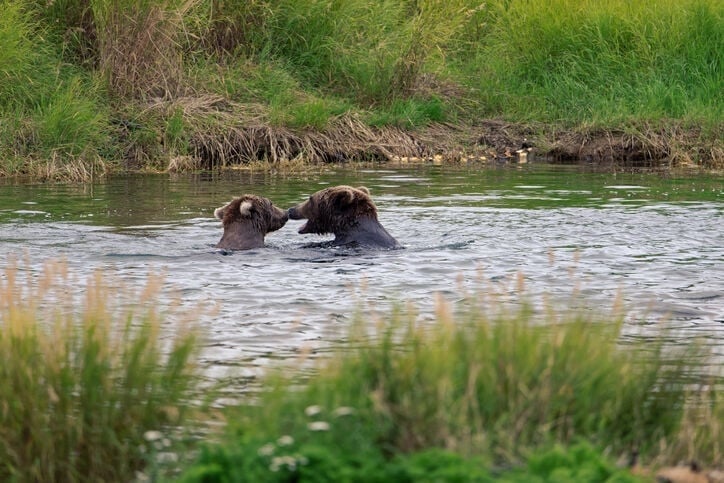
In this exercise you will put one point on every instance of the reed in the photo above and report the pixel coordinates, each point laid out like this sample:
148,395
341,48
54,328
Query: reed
482,383
84,376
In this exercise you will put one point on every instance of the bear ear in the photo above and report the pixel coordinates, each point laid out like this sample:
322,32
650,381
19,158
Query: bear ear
245,208
345,197
364,189
219,212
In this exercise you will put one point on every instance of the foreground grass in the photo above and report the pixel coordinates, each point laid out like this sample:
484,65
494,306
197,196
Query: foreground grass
470,396
96,389
92,87
87,387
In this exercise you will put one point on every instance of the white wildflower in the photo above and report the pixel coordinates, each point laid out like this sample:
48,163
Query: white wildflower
280,461
142,477
266,450
313,410
152,435
318,426
285,440
343,411
166,457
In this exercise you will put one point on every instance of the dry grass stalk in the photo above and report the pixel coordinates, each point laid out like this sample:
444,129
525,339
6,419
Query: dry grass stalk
85,374
139,49
347,139
224,133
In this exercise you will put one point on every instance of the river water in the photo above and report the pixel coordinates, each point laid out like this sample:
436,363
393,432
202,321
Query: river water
658,241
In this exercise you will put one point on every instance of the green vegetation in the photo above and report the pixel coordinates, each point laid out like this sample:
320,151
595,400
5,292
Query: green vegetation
86,393
479,395
92,86
96,389
324,462
608,62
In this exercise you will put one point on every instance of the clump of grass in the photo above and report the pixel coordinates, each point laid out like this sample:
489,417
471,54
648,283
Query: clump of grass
230,28
71,27
488,383
72,120
48,111
83,380
371,52
18,57
139,46
500,385
62,137
409,113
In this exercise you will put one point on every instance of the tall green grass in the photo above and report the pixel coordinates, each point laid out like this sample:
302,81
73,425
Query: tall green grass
482,383
18,57
85,382
49,111
548,60
601,62
370,52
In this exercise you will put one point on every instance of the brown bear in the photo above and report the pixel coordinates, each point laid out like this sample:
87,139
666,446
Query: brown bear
246,220
346,212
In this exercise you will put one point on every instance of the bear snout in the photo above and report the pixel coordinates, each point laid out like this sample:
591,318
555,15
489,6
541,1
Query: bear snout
282,215
293,213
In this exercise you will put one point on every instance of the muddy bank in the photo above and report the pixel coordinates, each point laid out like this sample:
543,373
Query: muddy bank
224,134
348,139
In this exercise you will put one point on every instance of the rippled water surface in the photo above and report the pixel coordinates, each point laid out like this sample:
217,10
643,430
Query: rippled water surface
659,240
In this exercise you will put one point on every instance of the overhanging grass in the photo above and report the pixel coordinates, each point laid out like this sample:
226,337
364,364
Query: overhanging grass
493,388
84,382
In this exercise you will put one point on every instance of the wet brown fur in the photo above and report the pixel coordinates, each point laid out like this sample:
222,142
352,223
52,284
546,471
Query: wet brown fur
246,220
336,209
345,211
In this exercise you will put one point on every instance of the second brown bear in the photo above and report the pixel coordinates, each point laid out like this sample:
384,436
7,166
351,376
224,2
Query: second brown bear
346,212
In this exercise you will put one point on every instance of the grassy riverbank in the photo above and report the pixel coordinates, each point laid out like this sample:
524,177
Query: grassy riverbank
91,87
102,388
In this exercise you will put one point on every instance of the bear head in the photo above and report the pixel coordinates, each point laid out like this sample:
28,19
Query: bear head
348,213
334,210
246,220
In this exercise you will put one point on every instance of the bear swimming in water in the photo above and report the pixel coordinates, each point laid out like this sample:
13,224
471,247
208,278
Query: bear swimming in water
346,212
247,219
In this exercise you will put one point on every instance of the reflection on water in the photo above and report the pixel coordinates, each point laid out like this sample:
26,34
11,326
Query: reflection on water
657,240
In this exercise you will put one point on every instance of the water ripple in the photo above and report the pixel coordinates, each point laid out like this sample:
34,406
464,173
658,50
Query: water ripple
665,257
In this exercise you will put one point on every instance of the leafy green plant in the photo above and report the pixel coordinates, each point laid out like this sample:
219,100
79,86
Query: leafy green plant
580,463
